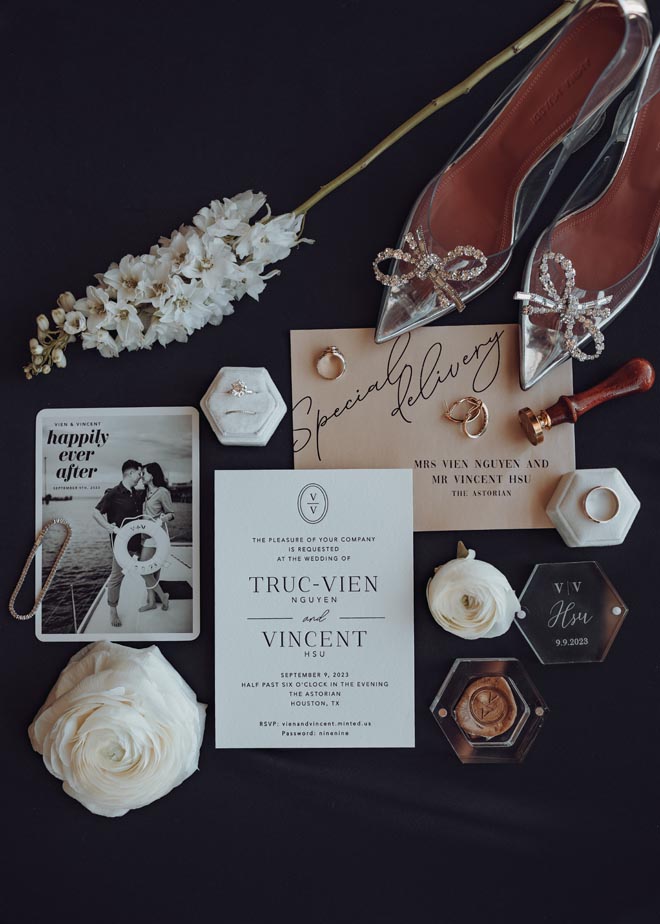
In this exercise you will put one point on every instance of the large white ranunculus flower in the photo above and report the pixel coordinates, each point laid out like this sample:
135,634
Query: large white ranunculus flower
471,599
120,728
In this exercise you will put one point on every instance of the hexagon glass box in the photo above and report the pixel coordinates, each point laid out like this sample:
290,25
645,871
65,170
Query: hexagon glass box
570,612
489,710
243,406
593,507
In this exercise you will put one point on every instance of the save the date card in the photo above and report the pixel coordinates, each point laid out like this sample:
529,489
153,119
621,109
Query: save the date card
126,482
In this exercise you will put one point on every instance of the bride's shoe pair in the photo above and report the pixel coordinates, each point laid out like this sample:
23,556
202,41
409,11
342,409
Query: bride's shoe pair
589,263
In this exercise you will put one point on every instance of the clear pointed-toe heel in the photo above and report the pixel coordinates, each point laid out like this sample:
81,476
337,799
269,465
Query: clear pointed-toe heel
589,264
461,232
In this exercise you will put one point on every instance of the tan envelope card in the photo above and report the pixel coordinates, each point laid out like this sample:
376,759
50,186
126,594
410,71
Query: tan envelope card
387,411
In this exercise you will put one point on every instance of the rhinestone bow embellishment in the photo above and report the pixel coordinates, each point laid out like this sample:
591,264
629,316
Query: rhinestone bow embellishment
428,265
569,307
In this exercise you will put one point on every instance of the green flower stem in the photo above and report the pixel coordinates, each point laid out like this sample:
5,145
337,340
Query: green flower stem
441,101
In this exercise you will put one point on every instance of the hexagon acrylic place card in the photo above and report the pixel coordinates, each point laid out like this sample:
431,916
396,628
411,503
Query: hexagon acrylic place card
489,710
243,406
593,507
571,612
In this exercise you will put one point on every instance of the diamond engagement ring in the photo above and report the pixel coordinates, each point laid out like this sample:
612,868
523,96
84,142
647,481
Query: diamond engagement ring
239,388
331,364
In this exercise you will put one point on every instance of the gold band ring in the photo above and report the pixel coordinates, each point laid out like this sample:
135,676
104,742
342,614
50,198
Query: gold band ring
594,492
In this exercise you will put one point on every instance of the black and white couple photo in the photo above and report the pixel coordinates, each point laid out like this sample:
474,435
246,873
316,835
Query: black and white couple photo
126,482
142,492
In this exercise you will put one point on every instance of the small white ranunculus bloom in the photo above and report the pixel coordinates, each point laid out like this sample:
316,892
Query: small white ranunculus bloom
471,598
120,728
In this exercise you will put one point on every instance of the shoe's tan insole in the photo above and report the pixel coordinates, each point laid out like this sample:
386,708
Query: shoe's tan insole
474,201
608,239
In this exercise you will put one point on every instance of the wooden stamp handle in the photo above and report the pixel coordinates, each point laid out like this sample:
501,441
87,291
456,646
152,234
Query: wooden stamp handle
635,376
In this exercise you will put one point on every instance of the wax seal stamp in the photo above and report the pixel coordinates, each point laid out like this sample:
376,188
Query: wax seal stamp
634,377
487,708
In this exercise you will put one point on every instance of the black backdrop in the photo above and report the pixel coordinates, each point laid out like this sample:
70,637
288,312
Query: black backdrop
120,122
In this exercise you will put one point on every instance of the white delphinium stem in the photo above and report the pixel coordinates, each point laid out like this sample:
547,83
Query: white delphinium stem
189,279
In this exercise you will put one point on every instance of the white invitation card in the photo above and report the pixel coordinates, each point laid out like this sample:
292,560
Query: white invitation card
314,609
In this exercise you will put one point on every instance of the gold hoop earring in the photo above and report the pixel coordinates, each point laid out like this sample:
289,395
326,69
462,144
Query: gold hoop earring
474,409
483,416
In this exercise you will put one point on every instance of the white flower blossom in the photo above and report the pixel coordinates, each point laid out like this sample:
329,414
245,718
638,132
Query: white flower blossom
212,222
75,322
98,307
271,241
175,248
129,327
186,305
192,278
210,260
103,341
252,282
156,278
244,206
163,330
127,277
219,303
